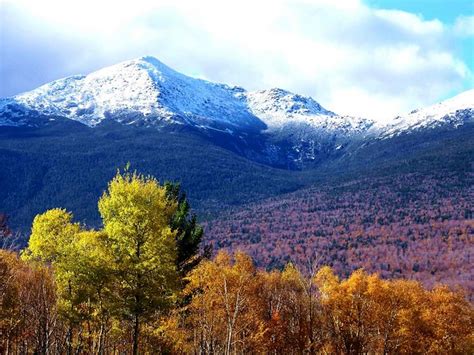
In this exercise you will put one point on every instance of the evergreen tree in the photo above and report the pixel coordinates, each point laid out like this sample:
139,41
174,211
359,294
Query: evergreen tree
188,232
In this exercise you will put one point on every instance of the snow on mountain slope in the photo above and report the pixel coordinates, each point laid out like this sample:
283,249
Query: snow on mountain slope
146,92
454,111
12,114
143,90
279,108
278,104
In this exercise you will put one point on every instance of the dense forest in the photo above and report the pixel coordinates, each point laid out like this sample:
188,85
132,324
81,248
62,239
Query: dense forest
43,167
143,283
414,226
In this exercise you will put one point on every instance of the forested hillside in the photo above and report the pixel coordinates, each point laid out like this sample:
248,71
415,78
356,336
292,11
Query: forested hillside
67,164
43,167
414,226
141,285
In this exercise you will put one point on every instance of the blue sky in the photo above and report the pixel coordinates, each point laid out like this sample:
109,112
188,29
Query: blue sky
444,10
447,11
372,58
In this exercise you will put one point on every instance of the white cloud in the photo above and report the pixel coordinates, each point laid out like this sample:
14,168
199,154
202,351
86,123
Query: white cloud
464,26
350,57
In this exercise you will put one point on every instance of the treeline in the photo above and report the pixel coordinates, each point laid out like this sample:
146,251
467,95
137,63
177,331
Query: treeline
141,285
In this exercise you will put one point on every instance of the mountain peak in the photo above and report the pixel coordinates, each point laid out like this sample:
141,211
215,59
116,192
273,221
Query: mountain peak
150,59
146,91
280,109
139,91
153,65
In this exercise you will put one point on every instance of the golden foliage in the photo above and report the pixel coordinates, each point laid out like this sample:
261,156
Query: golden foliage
237,309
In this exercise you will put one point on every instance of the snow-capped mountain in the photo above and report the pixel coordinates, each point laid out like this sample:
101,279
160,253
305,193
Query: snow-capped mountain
454,112
146,92
142,91
274,126
224,144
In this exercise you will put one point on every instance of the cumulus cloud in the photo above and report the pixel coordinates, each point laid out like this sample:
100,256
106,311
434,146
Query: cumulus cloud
352,58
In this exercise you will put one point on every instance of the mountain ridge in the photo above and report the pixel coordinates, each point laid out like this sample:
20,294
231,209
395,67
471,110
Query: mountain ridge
455,110
147,92
147,87
274,127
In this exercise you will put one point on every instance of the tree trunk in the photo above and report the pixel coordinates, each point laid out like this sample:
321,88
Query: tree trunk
138,310
69,340
229,341
100,345
136,334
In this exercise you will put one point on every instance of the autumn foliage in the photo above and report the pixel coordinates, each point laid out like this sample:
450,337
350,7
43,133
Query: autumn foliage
230,307
412,226
139,285
235,308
